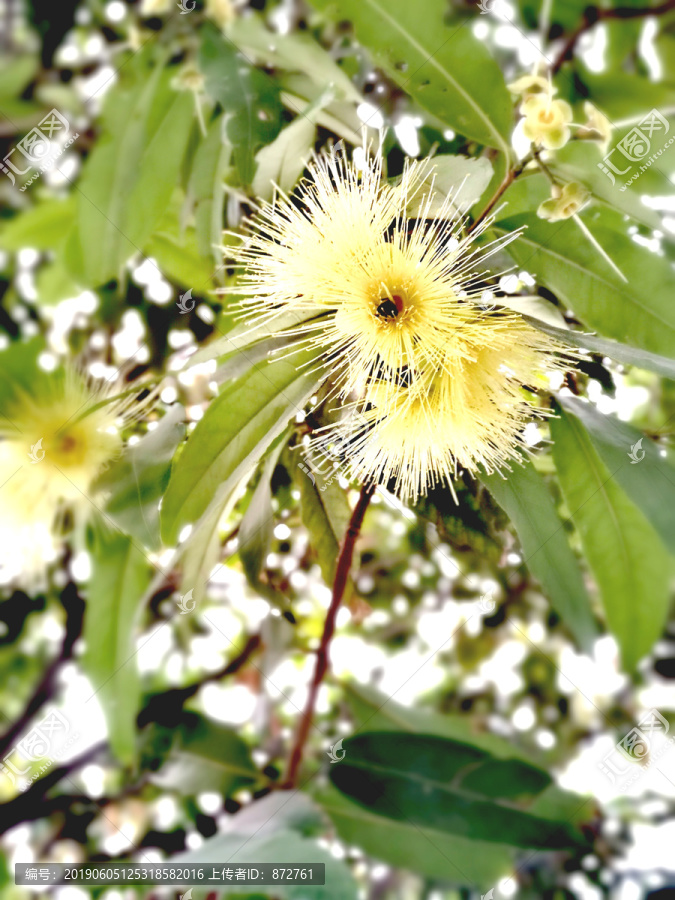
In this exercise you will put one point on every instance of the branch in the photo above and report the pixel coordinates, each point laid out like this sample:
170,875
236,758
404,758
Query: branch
592,15
74,606
509,178
32,804
342,570
167,706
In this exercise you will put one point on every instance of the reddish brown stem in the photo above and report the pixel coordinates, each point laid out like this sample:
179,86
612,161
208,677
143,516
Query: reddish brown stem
342,570
593,15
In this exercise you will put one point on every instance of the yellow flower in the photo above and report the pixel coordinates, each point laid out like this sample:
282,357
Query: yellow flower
427,378
597,128
529,85
546,121
155,7
384,291
467,413
564,203
52,449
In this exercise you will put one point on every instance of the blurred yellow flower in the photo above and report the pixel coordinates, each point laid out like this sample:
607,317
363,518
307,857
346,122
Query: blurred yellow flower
565,202
221,11
529,85
546,121
52,449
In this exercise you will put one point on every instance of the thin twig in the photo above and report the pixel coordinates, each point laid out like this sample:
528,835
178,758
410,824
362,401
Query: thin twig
509,178
593,15
342,570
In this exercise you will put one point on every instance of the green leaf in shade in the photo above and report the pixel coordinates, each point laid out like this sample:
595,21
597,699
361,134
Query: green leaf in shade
136,482
43,226
178,255
129,177
449,786
283,161
442,66
207,188
257,523
324,509
120,575
622,353
632,569
640,312
249,97
523,495
208,756
273,830
649,482
237,428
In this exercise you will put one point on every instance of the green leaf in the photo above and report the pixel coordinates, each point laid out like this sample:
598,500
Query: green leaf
54,283
207,757
237,428
16,73
523,495
443,67
249,97
630,565
324,509
283,161
131,174
639,312
43,226
206,186
296,51
620,352
649,482
449,786
422,849
176,250
464,177
257,523
120,574
268,831
137,481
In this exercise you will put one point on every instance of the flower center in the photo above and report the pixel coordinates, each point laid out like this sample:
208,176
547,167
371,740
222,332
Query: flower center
390,307
546,116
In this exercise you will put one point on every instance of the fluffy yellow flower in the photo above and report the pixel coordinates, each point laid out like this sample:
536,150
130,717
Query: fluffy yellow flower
383,291
428,378
52,449
546,121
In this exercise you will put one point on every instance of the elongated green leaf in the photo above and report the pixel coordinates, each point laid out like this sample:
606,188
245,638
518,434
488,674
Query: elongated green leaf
208,189
631,567
422,849
443,67
449,786
120,574
248,96
464,178
647,477
128,180
137,481
237,428
525,498
324,508
639,312
43,226
620,352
